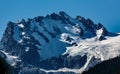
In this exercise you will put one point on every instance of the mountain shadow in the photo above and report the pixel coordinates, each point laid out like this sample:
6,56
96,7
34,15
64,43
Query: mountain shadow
111,66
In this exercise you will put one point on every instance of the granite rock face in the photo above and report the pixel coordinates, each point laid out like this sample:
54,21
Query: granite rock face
41,42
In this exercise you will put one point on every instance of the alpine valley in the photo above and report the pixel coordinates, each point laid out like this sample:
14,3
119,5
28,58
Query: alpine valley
57,44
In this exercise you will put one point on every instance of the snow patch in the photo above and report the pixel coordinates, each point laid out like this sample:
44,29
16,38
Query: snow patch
20,41
21,25
26,37
99,32
64,36
10,59
27,49
23,33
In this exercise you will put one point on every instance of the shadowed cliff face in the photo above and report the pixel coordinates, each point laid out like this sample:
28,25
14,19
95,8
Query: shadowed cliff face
111,66
5,68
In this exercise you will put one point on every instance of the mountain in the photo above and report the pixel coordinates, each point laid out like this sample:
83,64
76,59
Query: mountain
57,44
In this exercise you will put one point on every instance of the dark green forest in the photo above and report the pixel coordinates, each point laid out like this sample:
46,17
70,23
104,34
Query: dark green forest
5,68
111,66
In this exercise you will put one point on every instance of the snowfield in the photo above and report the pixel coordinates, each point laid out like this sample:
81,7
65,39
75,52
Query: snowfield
103,50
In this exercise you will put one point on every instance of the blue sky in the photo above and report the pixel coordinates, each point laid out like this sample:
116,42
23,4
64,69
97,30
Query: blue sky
105,11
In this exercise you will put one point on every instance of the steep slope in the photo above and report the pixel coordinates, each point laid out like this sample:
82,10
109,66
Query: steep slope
4,67
57,43
111,66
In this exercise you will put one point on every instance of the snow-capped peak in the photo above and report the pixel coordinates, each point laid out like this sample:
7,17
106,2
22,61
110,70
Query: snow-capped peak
56,41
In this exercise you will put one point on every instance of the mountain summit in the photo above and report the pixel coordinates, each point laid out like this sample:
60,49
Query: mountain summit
57,43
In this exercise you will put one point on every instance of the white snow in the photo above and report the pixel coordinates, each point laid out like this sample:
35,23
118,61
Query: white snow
64,36
50,24
23,33
10,59
63,70
99,32
102,50
51,49
73,29
27,49
20,41
21,25
26,37
77,23
108,48
92,47
55,46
